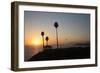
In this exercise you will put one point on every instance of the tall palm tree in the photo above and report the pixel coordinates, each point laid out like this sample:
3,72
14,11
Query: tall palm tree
56,26
47,38
42,34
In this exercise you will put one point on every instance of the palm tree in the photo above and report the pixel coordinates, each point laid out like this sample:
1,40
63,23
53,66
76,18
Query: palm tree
42,34
56,26
47,38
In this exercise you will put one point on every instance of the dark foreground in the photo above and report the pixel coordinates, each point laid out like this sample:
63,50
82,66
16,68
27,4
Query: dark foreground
62,53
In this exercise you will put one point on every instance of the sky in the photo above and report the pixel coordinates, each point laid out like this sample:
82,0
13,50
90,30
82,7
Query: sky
73,27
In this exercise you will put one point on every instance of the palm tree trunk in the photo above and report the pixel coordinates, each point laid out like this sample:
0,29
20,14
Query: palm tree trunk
43,40
57,38
47,43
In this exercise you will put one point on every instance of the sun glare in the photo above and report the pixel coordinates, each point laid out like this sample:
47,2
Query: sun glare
36,42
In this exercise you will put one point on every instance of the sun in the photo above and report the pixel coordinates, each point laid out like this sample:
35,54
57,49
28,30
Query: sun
36,42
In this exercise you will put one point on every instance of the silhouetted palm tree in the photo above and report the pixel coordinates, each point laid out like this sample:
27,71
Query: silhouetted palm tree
47,38
56,26
42,33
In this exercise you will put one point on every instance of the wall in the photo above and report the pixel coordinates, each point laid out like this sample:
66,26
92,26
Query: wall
5,34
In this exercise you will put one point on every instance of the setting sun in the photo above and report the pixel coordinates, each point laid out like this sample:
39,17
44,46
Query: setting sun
36,42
